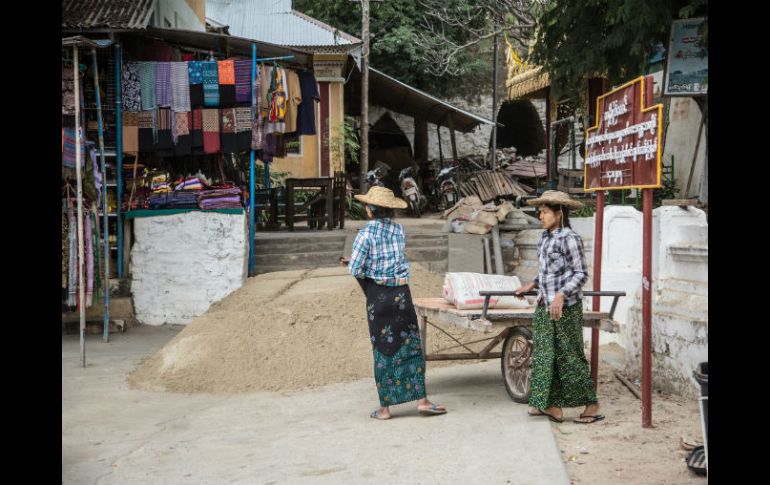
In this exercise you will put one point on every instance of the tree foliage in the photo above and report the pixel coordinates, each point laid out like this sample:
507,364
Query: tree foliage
610,38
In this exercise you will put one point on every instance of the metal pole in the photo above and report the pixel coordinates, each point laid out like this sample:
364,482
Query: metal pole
251,163
119,154
440,150
598,235
572,142
647,310
548,133
364,93
81,249
106,230
493,162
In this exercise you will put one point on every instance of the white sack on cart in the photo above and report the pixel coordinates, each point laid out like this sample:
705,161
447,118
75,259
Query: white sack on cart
462,290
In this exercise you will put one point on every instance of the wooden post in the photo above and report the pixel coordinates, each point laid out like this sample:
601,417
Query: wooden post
81,241
598,235
493,161
440,149
364,93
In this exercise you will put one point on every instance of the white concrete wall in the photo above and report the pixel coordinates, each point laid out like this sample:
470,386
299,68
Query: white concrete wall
182,263
185,16
681,138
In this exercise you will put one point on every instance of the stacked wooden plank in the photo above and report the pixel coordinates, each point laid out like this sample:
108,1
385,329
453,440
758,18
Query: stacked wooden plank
488,185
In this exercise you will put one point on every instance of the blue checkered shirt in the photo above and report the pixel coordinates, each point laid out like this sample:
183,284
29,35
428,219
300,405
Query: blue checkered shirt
378,253
562,266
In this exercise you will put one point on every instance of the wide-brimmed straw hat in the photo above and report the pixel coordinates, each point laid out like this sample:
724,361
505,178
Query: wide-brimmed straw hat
382,197
555,197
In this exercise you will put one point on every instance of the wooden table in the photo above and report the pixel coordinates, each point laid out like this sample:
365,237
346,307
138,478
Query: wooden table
326,186
512,327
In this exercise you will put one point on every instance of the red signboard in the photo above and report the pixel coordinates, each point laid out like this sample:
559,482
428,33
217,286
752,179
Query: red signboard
623,149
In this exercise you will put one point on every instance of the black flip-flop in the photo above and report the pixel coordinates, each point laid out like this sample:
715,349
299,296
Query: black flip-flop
552,417
696,460
593,419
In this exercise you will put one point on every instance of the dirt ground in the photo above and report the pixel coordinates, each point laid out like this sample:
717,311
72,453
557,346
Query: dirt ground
618,450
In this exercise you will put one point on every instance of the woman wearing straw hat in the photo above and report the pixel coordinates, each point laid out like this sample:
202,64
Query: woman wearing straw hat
560,373
380,267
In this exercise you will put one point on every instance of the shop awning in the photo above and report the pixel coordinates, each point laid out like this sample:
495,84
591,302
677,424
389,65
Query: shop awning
528,83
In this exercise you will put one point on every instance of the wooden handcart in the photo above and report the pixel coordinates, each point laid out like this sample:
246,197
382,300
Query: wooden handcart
513,327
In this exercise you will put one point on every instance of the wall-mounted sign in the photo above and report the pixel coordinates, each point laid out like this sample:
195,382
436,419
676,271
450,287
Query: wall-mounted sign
687,66
623,148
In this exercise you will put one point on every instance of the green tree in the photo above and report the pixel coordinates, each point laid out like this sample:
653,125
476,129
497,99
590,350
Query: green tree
611,38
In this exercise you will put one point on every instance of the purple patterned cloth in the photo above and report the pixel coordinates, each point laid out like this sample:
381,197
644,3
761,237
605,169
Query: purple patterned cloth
163,84
257,129
242,81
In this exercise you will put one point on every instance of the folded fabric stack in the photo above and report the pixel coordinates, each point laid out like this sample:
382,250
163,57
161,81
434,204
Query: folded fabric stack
138,201
220,199
174,200
190,183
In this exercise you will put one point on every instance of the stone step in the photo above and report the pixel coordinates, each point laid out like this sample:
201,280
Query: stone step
425,242
320,238
303,260
274,268
293,248
432,253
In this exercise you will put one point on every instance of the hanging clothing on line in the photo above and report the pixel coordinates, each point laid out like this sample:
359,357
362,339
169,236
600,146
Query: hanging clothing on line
180,87
165,141
293,100
89,253
67,91
132,87
306,109
130,132
229,138
196,130
243,81
257,128
163,84
182,142
210,84
195,74
226,71
243,129
211,142
147,84
72,290
146,122
69,155
277,102
65,249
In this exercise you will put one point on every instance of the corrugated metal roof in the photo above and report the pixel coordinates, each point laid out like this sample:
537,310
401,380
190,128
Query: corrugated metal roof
275,22
115,14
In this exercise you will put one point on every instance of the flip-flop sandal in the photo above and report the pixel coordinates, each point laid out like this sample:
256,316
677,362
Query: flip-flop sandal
592,419
552,417
696,460
434,409
376,415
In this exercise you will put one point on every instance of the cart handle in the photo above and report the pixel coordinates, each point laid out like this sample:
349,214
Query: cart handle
490,293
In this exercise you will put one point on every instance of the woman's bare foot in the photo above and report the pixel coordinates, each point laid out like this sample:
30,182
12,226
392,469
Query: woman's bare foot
555,413
424,405
381,413
590,414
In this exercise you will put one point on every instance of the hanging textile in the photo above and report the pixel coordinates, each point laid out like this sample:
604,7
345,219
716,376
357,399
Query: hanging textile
146,122
293,100
147,84
163,84
196,130
229,138
277,102
89,253
182,143
243,129
243,81
211,142
72,290
97,278
180,87
306,109
165,140
226,71
67,91
195,76
132,87
69,155
130,132
210,84
257,128
65,249
97,175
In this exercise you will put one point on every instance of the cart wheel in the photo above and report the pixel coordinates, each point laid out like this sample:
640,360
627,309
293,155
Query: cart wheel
516,363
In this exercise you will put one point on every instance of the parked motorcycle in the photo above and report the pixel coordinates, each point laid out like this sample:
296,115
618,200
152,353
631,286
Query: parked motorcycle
411,191
375,176
446,187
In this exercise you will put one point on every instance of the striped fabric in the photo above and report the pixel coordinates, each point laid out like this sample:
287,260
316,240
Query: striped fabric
242,120
257,129
147,82
163,84
242,81
180,87
210,84
68,150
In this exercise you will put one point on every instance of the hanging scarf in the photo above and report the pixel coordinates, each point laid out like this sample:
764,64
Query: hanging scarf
67,91
257,131
243,81
181,126
226,70
195,72
180,87
65,249
97,176
72,290
97,255
89,243
165,140
229,139
69,146
210,84
130,132
196,128
132,87
211,142
163,84
147,83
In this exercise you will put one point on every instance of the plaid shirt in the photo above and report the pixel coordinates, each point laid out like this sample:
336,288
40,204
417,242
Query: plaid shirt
562,266
378,253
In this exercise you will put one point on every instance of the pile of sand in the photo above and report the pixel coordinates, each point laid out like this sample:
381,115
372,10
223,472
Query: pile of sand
285,330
